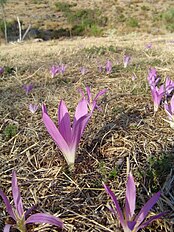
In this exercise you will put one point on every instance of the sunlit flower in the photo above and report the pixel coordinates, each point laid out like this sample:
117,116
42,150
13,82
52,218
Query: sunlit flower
54,71
108,66
169,109
92,102
126,60
1,71
19,216
83,70
67,137
28,88
33,108
128,220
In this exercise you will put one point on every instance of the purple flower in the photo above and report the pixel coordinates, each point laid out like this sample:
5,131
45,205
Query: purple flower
152,77
33,108
157,95
66,137
100,68
28,88
148,46
62,68
54,71
20,217
169,109
108,66
169,85
126,60
83,70
92,103
129,221
1,71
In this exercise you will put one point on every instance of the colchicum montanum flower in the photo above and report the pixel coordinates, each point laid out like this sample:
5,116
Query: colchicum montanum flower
169,109
19,216
67,137
126,60
92,102
33,108
157,95
54,71
1,71
108,67
128,221
28,88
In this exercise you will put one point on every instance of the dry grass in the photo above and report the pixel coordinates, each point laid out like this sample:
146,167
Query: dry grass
126,128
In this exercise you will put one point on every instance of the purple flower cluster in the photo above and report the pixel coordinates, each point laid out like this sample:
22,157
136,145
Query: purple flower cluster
67,138
162,92
58,69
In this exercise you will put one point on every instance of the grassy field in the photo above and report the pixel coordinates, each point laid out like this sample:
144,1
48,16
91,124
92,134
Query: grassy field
125,134
125,128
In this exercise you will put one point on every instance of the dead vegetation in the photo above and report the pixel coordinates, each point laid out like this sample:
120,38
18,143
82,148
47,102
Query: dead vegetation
126,128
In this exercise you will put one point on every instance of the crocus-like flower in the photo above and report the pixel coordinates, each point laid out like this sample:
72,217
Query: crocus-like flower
62,68
66,137
126,60
169,85
33,108
19,216
1,71
148,46
157,95
28,88
54,71
130,222
108,66
152,77
83,70
92,103
100,68
169,109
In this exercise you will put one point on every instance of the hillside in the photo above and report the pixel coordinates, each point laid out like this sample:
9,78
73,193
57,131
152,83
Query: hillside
54,19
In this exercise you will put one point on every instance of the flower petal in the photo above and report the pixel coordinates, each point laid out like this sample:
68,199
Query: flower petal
78,128
44,109
7,204
81,109
100,93
64,122
7,228
130,197
30,210
151,219
117,206
44,218
81,92
16,195
67,150
55,134
131,225
168,110
89,94
146,208
172,104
